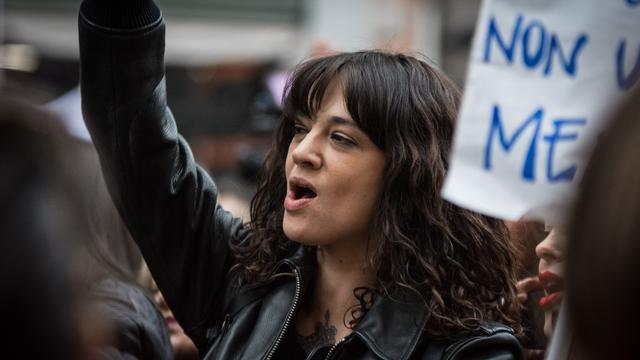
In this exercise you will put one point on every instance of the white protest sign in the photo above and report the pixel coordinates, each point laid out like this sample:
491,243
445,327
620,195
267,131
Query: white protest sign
542,76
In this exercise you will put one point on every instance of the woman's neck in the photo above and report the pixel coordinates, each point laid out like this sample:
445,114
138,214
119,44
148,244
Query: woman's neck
340,270
327,307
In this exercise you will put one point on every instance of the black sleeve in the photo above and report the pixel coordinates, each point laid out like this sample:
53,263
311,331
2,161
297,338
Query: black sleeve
120,14
167,201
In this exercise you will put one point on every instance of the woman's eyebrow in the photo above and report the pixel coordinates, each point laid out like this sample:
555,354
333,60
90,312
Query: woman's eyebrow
342,121
301,117
338,120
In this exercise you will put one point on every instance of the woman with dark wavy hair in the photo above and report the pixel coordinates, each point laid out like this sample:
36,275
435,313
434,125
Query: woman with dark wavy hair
351,252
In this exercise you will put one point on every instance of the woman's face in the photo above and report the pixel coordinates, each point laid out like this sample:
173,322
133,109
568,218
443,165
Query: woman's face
334,175
551,252
182,345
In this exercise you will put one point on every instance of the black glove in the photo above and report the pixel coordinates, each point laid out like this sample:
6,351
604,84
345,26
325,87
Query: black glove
120,14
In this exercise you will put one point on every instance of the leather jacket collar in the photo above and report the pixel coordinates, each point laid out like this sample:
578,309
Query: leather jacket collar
391,328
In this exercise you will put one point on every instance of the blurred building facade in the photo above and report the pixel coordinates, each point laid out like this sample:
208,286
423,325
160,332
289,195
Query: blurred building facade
221,54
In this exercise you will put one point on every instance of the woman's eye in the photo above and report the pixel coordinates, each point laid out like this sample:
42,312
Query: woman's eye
299,130
341,139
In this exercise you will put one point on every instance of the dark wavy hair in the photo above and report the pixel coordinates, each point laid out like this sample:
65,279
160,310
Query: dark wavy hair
461,263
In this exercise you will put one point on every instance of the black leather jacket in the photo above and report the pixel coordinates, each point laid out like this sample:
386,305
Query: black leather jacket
170,207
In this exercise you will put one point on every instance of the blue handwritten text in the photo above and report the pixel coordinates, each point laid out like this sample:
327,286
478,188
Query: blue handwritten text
625,82
533,122
538,46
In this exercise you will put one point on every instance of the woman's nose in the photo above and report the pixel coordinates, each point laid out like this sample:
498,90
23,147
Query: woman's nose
548,249
159,299
307,152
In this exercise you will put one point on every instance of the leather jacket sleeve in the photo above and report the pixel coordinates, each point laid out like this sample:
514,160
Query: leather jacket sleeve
167,201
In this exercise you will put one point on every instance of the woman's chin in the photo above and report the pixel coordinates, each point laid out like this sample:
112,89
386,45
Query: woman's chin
296,231
302,240
296,235
550,318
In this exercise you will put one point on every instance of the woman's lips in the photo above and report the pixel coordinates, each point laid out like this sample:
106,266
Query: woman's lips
553,285
293,204
296,181
172,324
170,319
550,301
548,278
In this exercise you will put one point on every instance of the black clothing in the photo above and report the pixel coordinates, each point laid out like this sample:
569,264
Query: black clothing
170,206
291,345
121,14
138,329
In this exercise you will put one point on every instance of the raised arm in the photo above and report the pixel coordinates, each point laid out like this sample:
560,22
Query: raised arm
167,201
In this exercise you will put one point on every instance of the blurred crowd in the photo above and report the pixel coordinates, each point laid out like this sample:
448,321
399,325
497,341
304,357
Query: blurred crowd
73,279
74,285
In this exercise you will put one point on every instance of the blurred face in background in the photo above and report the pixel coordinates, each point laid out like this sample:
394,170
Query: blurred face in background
183,347
551,252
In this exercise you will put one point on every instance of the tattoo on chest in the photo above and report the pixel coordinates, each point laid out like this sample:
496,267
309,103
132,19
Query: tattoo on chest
323,335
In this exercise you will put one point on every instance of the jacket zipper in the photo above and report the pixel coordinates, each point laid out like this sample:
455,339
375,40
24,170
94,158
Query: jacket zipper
333,348
296,299
225,324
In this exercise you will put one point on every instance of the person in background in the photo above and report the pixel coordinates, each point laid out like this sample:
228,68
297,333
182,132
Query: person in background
526,235
351,252
604,243
592,259
38,211
127,320
543,292
552,252
183,346
66,260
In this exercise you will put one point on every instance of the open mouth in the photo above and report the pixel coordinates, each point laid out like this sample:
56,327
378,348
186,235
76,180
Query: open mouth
302,192
551,282
553,286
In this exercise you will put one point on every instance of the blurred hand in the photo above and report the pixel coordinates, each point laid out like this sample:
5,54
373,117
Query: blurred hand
525,286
